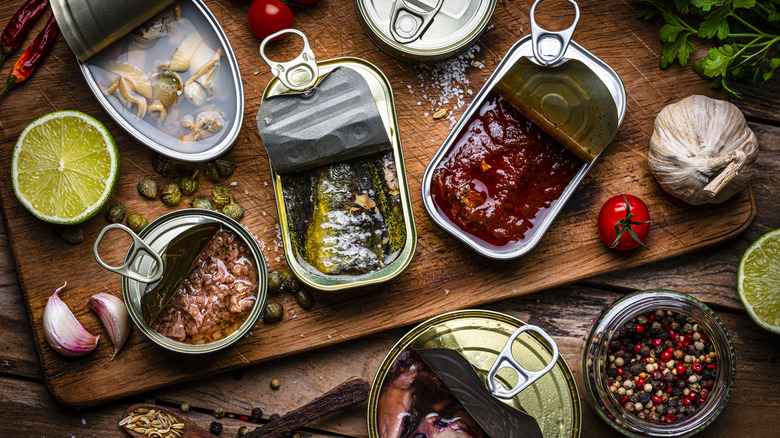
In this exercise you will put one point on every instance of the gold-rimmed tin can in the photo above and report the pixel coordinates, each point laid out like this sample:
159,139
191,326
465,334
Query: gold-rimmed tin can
480,336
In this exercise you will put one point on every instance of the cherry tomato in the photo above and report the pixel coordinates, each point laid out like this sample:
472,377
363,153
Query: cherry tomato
624,222
269,16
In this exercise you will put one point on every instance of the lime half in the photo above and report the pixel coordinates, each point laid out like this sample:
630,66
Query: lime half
65,167
758,281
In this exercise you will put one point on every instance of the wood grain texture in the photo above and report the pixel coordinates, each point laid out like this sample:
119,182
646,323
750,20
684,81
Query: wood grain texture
444,274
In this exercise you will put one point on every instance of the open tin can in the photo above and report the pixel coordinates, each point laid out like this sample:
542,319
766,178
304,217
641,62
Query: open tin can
145,265
483,337
424,31
559,86
300,75
166,74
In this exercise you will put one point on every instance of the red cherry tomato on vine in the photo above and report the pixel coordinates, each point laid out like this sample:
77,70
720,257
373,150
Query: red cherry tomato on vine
267,17
624,222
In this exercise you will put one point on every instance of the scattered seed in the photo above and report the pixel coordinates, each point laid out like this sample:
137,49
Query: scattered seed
470,55
275,384
439,114
477,64
153,424
219,413
184,407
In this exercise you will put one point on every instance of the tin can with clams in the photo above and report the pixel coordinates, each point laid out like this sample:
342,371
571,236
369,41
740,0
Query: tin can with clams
424,31
300,75
143,262
551,82
480,336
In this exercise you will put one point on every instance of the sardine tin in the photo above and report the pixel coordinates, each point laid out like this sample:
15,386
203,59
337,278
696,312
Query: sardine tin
523,48
480,336
383,96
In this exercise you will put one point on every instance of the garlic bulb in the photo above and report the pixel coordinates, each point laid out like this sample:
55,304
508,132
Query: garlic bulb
113,314
63,331
702,150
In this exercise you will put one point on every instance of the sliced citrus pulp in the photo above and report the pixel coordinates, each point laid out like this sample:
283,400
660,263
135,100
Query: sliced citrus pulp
758,281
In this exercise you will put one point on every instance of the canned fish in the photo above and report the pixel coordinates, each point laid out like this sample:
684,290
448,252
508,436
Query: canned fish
481,337
576,99
171,81
149,263
424,31
344,224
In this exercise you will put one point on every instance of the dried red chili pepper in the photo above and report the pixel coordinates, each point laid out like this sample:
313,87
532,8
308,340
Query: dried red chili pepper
31,57
17,29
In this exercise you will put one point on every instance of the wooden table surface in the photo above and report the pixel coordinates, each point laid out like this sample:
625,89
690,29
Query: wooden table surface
26,409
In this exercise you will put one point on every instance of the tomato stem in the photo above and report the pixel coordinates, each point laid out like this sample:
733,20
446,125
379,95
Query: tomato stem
625,224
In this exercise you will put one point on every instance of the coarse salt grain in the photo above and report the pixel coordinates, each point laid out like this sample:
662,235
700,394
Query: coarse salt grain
234,183
83,422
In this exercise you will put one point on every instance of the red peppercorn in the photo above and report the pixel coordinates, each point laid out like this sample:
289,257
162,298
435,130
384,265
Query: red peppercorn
662,385
673,334
666,355
644,359
709,384
687,401
692,395
620,371
669,389
680,369
699,402
704,335
657,399
711,366
657,342
651,318
696,367
670,418
624,400
640,382
640,329
687,339
637,348
704,393
680,345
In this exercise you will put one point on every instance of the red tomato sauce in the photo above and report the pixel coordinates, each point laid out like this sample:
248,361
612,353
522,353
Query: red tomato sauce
502,175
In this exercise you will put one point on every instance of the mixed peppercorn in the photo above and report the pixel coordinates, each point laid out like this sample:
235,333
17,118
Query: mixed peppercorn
662,366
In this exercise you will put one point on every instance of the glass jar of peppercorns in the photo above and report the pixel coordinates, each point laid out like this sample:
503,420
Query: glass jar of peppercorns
658,363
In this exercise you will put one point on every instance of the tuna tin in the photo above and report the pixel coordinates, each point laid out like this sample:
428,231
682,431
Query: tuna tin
172,82
503,174
232,255
481,337
348,221
424,31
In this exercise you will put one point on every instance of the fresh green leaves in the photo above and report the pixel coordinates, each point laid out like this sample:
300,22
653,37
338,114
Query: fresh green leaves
745,36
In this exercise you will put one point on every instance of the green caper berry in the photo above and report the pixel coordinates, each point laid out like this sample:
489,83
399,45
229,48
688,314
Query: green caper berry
233,210
161,164
171,194
289,281
189,184
273,312
72,235
303,297
225,166
137,222
116,213
147,187
220,196
211,172
200,201
274,281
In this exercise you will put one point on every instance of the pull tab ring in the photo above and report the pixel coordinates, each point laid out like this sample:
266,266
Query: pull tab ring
407,24
299,74
524,377
138,246
563,38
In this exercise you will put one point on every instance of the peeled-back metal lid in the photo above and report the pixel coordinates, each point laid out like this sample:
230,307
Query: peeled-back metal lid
481,336
424,30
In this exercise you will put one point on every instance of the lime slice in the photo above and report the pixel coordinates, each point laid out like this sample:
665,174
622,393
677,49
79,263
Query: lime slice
65,167
758,281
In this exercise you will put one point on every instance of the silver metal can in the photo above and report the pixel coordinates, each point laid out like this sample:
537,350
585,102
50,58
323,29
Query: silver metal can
424,31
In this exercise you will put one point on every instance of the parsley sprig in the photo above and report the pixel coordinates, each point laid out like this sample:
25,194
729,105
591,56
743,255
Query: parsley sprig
746,36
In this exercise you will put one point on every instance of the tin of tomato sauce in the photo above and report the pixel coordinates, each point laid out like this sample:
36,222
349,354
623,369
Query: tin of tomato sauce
505,171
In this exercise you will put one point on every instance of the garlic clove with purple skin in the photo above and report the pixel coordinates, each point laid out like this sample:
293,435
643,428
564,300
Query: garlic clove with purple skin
63,331
113,314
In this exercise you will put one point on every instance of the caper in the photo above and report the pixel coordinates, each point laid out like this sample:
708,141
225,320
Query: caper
171,194
136,222
147,187
116,213
233,210
303,297
200,201
211,172
161,164
189,184
273,312
289,281
72,235
225,166
220,196
274,281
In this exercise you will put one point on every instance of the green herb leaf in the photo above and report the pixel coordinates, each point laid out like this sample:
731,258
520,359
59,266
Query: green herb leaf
717,61
680,50
706,5
716,25
682,6
646,12
743,4
669,32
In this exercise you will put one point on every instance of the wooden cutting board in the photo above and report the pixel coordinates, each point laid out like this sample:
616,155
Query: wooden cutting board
444,275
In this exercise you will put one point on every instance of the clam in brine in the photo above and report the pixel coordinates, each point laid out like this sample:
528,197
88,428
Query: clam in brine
173,83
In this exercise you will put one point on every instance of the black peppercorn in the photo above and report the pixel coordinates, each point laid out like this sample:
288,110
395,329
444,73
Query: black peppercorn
656,327
637,367
633,398
216,428
630,328
612,372
644,397
257,414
